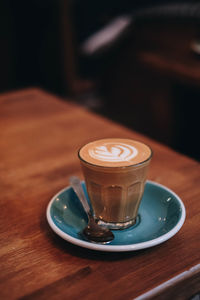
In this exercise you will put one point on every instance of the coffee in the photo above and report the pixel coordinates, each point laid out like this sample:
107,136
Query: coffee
115,152
115,173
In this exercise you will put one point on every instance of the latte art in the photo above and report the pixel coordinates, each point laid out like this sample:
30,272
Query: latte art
113,152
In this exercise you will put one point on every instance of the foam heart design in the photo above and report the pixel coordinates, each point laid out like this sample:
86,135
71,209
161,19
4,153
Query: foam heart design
113,152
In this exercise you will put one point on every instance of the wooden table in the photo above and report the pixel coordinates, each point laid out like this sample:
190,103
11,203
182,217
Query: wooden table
39,138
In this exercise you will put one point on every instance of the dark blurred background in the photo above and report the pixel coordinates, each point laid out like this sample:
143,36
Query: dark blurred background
136,62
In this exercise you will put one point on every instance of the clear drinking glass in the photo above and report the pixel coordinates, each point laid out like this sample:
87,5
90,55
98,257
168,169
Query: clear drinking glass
115,192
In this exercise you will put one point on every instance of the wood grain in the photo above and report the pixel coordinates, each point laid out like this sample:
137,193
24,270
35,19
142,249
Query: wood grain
39,138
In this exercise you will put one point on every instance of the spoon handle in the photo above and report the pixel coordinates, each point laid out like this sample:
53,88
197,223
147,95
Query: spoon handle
78,189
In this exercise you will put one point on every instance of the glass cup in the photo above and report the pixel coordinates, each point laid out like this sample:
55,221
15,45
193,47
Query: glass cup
115,192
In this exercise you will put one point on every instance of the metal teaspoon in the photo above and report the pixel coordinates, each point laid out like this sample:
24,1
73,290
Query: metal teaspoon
93,231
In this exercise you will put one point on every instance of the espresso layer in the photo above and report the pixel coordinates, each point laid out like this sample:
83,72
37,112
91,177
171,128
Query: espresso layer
115,152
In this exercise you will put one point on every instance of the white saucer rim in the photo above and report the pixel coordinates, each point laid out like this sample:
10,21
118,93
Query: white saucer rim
118,248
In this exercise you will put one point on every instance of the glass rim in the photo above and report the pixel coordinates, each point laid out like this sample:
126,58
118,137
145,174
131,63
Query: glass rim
116,167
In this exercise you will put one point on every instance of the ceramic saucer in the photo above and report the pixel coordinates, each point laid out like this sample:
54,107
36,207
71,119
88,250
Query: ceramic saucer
161,215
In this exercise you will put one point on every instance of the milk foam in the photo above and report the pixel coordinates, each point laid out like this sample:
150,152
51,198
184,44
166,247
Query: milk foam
113,152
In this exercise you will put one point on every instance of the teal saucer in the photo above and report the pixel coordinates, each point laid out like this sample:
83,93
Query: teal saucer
161,215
